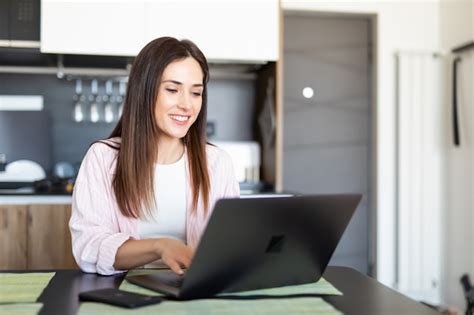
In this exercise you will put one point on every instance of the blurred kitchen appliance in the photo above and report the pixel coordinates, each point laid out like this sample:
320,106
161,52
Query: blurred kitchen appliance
22,171
246,161
64,170
26,135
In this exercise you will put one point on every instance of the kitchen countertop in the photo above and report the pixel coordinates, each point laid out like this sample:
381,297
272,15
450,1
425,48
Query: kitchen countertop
25,199
27,195
29,191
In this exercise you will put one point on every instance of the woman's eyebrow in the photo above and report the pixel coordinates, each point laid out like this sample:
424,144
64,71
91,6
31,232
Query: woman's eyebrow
181,83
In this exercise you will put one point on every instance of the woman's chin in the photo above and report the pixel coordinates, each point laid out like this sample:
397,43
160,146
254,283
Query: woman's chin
177,135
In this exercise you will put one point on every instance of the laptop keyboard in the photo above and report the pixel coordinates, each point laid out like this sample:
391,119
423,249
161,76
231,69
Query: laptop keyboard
170,278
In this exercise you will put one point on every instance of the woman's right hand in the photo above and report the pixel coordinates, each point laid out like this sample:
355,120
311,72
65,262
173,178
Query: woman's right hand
175,254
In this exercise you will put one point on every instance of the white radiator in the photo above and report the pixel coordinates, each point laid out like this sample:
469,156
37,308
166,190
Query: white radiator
421,138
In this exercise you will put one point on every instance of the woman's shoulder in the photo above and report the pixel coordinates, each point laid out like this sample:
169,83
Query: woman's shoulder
104,151
105,147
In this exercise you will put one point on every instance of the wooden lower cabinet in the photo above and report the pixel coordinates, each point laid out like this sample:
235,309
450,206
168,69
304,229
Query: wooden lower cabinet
13,237
49,239
35,236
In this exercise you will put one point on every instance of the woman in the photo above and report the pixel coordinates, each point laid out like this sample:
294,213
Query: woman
145,194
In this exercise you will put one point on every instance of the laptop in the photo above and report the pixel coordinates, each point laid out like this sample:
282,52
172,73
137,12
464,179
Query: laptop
259,243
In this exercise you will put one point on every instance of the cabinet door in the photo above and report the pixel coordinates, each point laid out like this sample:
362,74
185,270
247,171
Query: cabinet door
13,237
49,239
103,27
225,30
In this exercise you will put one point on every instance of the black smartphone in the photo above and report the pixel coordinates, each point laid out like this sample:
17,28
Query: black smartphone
119,298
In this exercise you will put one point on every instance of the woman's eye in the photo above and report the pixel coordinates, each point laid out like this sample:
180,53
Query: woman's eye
172,90
197,93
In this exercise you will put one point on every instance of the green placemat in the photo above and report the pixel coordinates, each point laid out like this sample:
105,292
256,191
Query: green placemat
22,287
222,307
305,305
322,287
20,308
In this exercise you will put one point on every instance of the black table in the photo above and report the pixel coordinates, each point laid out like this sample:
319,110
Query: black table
362,295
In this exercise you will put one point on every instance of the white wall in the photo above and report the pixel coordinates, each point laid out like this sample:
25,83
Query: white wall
456,22
457,28
458,223
401,25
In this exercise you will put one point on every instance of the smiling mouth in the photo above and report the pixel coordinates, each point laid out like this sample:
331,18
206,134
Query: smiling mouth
180,118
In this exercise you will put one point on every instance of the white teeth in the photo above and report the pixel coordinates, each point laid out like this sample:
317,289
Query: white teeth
179,118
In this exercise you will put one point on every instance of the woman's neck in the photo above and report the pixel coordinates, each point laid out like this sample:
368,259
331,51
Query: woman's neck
169,150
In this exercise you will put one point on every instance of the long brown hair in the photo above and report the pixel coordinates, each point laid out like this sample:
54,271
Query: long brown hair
137,128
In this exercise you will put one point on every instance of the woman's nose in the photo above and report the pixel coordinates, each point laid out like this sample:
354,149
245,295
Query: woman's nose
185,102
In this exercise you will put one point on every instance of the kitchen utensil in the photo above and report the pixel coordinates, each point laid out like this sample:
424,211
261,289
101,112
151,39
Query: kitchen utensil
94,100
108,100
64,170
78,109
54,185
120,98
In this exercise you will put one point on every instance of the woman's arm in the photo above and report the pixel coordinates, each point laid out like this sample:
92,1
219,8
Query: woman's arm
95,235
98,244
136,253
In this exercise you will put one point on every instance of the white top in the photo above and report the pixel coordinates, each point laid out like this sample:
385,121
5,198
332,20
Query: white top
169,216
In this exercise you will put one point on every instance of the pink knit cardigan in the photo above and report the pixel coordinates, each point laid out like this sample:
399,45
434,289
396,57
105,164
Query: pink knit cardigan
97,226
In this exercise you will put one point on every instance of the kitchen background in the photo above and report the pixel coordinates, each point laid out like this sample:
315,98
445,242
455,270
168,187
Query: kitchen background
352,96
230,110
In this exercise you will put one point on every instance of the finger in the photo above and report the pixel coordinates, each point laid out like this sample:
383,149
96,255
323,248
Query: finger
185,261
175,267
182,261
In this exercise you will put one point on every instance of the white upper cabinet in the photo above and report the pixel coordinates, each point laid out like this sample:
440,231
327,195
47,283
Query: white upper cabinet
102,27
225,30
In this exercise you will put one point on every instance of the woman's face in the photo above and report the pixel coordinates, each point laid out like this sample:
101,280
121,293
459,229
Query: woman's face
179,97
